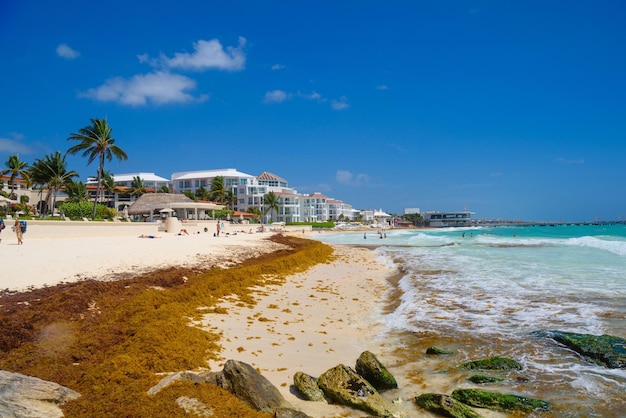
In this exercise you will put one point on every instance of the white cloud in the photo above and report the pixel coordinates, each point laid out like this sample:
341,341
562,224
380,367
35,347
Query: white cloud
13,145
207,55
279,96
340,104
158,87
278,67
313,96
275,96
347,178
64,51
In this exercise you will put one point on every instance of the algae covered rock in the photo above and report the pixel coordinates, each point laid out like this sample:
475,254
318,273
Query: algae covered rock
437,351
251,387
308,388
499,401
607,350
481,379
344,386
492,363
368,366
445,406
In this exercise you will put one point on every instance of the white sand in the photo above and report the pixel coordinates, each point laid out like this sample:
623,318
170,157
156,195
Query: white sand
58,251
318,319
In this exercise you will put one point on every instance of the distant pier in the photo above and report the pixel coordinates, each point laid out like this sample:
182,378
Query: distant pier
501,222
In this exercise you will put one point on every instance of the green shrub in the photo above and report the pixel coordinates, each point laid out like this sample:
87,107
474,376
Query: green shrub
77,211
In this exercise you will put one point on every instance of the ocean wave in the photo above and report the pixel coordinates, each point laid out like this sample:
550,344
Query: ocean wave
612,245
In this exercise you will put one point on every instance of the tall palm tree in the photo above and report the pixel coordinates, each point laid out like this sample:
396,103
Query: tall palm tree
271,203
137,187
218,192
51,172
95,141
16,168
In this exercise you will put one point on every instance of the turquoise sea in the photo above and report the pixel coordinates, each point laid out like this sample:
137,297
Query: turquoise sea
483,291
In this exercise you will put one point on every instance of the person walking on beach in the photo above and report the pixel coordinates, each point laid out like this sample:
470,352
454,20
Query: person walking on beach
18,231
2,226
218,228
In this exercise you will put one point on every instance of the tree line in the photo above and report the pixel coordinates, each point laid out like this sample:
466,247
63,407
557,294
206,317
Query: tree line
96,143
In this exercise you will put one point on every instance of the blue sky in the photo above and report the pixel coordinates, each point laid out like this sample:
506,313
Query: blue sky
514,110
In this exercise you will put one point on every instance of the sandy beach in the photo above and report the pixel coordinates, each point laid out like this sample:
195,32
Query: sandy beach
318,319
57,251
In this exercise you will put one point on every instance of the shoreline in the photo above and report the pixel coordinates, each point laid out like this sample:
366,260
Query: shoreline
314,321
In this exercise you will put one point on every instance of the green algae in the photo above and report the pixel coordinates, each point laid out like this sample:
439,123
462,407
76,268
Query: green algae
492,363
606,350
481,379
437,351
445,406
499,401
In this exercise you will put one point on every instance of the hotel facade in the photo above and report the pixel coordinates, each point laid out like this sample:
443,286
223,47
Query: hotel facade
249,191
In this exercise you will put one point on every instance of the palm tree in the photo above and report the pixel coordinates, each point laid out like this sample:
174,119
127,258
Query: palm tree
16,168
76,192
271,202
218,192
257,213
108,183
190,195
51,172
230,200
137,187
202,193
96,142
164,189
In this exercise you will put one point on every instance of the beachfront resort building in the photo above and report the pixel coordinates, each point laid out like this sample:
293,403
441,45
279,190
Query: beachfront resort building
249,191
122,195
437,219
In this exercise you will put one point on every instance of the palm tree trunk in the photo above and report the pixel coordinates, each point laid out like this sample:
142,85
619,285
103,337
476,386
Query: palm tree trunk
100,168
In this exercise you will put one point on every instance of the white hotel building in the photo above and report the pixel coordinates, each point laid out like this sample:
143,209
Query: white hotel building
249,191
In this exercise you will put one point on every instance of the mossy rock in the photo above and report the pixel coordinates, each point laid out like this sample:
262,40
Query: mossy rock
437,351
368,366
481,379
492,363
445,406
607,350
499,401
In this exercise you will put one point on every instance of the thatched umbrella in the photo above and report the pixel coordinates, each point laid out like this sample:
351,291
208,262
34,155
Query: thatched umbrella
147,203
